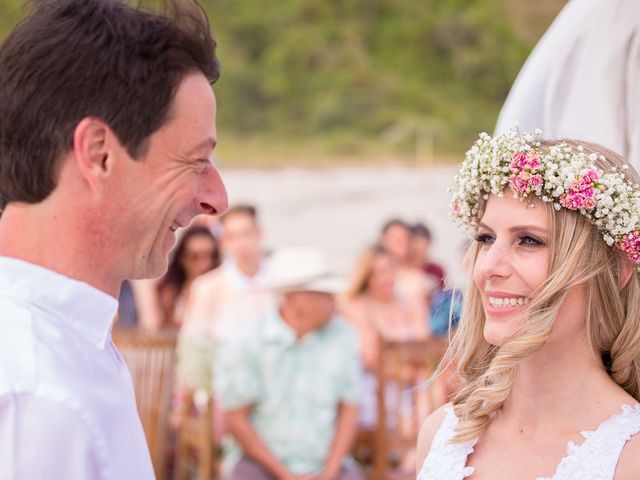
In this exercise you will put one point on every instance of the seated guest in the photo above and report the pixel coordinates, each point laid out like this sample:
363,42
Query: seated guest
421,240
411,281
375,309
289,381
445,303
196,253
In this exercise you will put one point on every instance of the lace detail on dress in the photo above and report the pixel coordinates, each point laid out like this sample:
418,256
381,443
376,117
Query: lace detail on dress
447,460
595,459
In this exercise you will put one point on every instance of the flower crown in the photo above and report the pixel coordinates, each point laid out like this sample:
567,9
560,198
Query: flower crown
563,175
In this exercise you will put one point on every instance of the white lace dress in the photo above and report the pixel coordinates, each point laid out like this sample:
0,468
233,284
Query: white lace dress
595,459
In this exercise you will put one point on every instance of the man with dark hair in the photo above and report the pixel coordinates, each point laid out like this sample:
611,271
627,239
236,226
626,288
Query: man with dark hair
421,239
107,125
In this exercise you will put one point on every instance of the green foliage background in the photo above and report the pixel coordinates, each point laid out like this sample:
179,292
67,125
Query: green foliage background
362,77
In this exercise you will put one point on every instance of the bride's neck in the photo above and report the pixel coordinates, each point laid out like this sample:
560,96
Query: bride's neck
556,382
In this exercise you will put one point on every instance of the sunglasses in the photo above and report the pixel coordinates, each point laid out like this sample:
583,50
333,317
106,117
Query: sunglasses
195,256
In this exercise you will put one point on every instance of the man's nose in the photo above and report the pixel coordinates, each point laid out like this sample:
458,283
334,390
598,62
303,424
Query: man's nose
212,198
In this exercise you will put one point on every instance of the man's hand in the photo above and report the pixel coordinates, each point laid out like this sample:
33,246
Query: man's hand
327,474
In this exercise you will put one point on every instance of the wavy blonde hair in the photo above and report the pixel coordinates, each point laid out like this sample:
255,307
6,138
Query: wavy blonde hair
578,256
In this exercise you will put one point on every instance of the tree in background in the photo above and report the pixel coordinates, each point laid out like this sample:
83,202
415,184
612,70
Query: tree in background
353,72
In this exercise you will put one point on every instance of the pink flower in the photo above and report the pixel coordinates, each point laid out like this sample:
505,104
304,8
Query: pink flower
518,160
578,199
581,194
523,161
630,244
567,201
456,209
535,181
534,162
587,192
524,182
591,176
518,184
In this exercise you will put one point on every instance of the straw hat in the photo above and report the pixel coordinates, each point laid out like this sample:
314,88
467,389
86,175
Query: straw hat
302,269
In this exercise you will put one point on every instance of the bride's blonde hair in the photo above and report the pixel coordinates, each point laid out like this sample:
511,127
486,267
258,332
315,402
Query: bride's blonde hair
577,256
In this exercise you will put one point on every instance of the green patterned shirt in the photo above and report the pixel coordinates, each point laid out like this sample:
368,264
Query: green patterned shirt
294,385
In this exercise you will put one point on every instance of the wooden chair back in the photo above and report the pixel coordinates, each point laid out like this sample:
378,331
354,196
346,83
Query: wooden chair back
405,398
196,450
150,357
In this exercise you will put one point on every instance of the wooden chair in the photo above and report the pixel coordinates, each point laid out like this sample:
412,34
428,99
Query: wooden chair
150,357
405,399
196,450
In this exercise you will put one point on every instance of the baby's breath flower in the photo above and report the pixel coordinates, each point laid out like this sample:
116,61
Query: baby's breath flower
565,176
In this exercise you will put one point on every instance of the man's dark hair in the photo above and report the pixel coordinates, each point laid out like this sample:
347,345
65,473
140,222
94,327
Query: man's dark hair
395,222
240,209
72,59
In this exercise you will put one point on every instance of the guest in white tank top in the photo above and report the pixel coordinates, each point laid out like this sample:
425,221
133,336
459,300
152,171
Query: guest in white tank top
548,347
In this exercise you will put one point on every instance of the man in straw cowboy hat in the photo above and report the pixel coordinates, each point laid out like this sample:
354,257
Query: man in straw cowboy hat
289,381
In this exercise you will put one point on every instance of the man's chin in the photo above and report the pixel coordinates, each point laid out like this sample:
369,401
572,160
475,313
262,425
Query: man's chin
153,269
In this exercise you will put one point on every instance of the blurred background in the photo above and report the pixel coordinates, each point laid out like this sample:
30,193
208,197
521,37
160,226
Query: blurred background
336,115
317,81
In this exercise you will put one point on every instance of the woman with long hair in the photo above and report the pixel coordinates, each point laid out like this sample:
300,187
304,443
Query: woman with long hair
196,253
374,307
548,346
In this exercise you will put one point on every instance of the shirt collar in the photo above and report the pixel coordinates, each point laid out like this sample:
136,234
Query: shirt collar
85,308
242,281
277,330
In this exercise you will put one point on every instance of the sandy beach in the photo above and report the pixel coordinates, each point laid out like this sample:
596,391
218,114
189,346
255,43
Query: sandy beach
342,210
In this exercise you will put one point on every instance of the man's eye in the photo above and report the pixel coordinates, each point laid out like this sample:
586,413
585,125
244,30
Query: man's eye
201,164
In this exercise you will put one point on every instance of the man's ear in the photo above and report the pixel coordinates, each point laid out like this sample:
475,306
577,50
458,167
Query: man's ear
627,268
90,147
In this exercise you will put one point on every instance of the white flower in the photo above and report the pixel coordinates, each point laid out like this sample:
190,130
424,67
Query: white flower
486,170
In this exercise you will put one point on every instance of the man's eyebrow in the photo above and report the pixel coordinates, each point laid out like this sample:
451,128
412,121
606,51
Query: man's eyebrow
209,144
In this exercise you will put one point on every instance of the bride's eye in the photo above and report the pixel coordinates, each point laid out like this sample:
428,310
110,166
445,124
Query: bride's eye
484,238
530,241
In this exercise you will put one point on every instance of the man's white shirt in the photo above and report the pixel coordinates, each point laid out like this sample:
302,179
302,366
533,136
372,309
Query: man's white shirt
67,406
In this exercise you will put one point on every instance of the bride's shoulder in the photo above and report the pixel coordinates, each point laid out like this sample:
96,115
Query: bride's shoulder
429,428
629,462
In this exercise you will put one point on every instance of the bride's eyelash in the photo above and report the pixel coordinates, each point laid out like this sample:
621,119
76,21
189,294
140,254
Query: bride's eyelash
483,238
531,241
524,239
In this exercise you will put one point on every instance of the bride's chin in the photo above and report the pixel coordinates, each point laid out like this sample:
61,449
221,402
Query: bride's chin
498,333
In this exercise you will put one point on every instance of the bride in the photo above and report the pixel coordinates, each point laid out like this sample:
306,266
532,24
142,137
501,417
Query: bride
548,348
